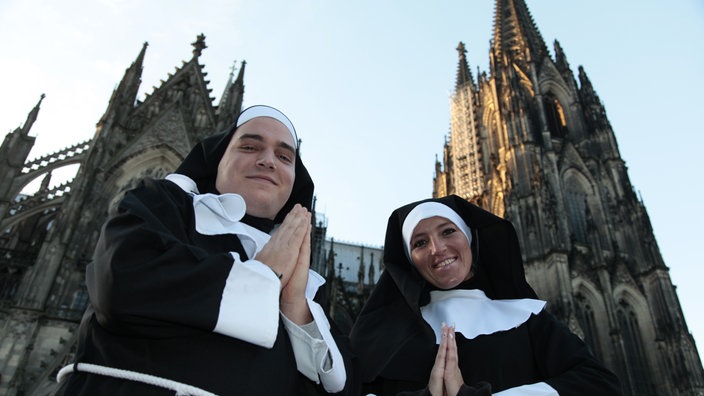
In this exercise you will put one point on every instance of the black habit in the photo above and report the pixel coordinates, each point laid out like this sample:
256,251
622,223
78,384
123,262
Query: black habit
155,287
397,347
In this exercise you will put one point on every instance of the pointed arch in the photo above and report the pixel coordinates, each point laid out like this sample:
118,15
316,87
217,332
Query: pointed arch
577,191
632,315
557,100
555,116
591,315
492,130
155,162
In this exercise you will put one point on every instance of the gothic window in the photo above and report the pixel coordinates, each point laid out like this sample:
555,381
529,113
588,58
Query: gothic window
585,316
13,263
555,116
10,278
633,348
80,300
665,322
577,212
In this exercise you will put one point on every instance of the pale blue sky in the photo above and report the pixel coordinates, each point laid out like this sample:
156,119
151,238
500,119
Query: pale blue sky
367,84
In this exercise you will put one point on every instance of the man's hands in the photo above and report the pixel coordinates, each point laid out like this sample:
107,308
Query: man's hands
445,377
288,253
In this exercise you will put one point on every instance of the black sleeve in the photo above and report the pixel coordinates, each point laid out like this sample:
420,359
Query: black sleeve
353,381
481,389
148,277
568,365
421,392
382,387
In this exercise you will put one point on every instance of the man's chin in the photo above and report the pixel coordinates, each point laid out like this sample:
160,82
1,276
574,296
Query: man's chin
265,206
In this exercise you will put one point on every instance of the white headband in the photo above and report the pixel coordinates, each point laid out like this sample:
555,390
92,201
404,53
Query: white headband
427,210
267,111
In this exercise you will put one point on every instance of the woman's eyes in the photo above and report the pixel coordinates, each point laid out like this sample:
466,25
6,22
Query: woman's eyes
448,231
419,243
422,242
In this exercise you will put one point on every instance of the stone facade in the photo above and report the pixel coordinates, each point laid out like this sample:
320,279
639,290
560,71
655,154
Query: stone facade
531,144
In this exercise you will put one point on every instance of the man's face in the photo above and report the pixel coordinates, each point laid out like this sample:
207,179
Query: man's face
259,165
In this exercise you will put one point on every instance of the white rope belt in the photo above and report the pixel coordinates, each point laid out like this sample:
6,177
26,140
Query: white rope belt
180,388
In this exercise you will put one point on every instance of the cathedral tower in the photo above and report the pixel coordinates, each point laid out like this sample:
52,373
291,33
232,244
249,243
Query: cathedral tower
531,144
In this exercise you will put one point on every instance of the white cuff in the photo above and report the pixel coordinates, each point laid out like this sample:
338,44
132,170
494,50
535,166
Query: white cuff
317,355
334,377
308,347
249,309
537,389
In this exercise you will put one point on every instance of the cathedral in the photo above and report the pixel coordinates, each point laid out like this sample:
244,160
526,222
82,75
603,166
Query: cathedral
527,141
532,144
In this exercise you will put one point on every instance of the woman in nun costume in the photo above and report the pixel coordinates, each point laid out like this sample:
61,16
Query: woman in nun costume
182,301
452,314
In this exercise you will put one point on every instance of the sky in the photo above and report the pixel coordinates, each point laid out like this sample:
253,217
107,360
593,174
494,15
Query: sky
367,84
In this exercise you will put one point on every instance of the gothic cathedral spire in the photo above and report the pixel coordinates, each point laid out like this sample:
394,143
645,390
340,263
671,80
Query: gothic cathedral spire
231,100
530,145
516,38
124,96
464,75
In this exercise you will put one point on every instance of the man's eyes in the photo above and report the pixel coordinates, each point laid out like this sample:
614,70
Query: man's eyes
283,156
286,157
247,148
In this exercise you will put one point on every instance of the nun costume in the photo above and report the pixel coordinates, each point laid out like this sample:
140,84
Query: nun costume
507,343
179,304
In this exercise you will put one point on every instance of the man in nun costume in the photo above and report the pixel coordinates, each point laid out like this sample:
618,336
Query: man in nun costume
200,284
452,314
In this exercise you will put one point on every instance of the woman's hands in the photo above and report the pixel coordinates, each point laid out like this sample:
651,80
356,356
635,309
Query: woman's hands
288,253
445,377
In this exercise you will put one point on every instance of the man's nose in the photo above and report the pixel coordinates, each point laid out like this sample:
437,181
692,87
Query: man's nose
266,159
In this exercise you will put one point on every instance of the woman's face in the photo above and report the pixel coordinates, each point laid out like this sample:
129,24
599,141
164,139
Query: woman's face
441,252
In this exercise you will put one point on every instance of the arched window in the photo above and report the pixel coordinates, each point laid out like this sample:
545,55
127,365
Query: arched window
10,278
80,300
555,116
635,367
13,264
576,210
585,316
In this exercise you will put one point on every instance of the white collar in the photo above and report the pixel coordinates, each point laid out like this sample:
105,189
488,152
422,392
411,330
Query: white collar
474,314
221,214
186,183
